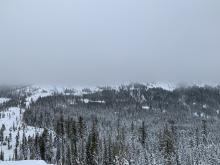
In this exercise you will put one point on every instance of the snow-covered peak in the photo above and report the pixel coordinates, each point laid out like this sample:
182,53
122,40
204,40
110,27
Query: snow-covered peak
163,85
36,92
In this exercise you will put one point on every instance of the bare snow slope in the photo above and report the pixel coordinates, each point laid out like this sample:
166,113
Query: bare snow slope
3,100
12,118
24,162
37,92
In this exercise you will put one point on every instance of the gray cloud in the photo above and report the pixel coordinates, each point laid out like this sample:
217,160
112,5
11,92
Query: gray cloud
84,42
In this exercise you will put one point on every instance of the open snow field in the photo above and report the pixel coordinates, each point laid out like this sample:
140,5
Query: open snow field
3,100
12,118
24,162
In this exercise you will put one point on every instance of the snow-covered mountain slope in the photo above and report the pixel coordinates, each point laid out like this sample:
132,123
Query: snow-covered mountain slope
24,162
165,86
35,92
12,121
47,90
10,118
3,100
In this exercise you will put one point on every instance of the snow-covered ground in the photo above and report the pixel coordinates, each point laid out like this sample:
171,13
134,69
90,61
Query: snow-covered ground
145,107
3,100
37,92
163,85
48,90
12,118
9,118
24,162
92,101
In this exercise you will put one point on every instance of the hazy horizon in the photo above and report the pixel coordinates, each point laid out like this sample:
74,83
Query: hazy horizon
109,42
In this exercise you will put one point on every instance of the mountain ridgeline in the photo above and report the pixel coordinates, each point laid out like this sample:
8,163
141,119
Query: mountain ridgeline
133,124
129,125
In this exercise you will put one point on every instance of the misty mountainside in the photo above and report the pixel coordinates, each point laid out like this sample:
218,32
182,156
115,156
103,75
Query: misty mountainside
134,124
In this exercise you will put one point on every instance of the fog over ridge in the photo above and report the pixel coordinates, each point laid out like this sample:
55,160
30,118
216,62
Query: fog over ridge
109,42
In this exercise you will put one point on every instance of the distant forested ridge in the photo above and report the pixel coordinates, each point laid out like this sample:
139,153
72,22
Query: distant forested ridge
129,125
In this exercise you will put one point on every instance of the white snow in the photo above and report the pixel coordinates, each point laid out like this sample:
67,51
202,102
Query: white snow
205,106
202,115
163,85
85,100
79,90
145,107
164,111
48,90
37,92
10,117
24,162
13,117
3,100
196,114
92,101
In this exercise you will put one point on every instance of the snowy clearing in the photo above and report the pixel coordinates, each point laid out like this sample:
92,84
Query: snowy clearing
3,100
146,107
24,162
12,119
37,92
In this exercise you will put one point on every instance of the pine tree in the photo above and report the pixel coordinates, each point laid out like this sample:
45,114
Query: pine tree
204,132
37,147
49,151
105,154
16,153
1,135
111,156
167,145
143,135
92,146
58,154
68,156
42,144
74,139
24,148
81,131
2,156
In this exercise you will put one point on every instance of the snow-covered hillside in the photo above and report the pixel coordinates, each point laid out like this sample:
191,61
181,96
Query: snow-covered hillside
71,110
11,120
24,162
165,86
3,100
12,126
36,92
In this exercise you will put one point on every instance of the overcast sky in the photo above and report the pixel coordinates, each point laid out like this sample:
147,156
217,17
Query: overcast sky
91,42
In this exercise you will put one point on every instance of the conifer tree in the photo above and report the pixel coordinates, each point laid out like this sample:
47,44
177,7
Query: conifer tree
167,147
